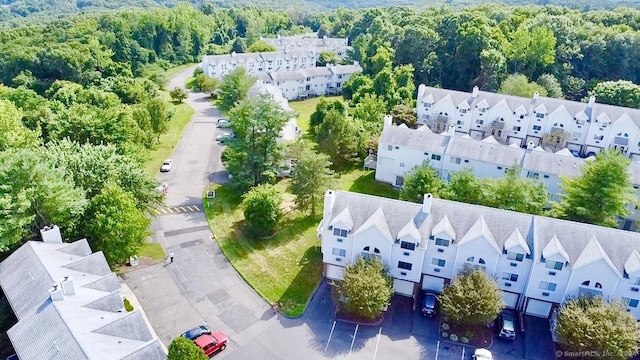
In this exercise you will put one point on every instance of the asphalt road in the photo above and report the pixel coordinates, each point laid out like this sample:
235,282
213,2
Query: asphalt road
201,286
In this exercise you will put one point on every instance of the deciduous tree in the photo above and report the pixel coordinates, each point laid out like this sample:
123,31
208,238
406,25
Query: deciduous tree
115,225
422,179
311,177
178,94
519,85
591,324
600,193
234,87
13,133
260,46
472,298
620,93
403,114
515,193
261,208
182,348
340,137
465,187
366,288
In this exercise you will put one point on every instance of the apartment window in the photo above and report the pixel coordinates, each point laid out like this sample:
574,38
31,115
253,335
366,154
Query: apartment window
479,122
460,122
401,164
598,137
544,285
463,111
499,167
427,105
442,242
455,160
545,176
339,240
630,302
339,76
438,262
339,252
408,245
576,135
404,265
509,276
532,175
436,157
515,256
339,232
279,62
517,128
537,127
540,115
556,265
390,147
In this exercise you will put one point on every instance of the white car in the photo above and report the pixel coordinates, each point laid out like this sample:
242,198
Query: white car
224,123
482,354
166,165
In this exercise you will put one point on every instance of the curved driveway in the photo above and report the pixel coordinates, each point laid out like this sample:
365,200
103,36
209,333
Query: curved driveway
200,286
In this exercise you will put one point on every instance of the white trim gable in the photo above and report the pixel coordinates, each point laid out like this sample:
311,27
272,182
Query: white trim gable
561,111
343,220
490,140
428,99
541,109
379,221
603,118
581,116
444,226
482,104
554,247
424,128
410,231
632,265
502,104
591,253
480,229
517,241
564,152
463,105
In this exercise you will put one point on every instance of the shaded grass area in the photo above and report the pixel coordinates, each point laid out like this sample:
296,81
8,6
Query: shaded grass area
284,268
168,140
154,251
305,108
364,182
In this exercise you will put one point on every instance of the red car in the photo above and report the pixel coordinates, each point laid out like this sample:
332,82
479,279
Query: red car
211,343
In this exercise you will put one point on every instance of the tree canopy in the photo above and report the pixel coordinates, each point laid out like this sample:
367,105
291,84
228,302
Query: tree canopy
422,179
233,88
182,349
472,298
311,177
261,208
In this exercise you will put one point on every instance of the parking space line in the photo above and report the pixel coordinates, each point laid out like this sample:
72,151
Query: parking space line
353,339
330,334
463,349
437,349
197,208
169,210
375,353
183,209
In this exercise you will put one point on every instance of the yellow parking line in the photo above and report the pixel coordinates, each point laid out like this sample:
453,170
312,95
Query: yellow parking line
197,208
190,208
169,210
183,209
157,211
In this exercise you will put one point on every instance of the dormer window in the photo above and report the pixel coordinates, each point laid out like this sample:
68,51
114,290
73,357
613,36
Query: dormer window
556,265
442,242
427,105
515,256
340,232
408,245
540,115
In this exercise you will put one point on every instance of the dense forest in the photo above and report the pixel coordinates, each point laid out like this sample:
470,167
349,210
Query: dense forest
16,11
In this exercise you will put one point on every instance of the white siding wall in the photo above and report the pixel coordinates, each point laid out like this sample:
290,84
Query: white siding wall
522,269
414,258
541,273
596,272
448,254
478,249
627,288
372,238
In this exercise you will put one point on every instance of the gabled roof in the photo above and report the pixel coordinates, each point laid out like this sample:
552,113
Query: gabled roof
444,225
378,221
480,229
542,109
591,253
564,152
343,218
632,265
410,230
555,247
482,104
485,150
422,140
424,128
516,239
560,163
428,99
490,140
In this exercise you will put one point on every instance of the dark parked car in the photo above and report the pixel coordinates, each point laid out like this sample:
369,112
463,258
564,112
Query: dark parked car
507,325
429,304
212,343
197,331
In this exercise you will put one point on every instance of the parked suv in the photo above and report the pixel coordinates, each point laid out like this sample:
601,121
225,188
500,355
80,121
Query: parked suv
429,304
507,325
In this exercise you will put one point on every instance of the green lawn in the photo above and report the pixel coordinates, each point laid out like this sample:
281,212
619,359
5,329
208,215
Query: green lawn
305,108
285,268
154,251
168,140
364,182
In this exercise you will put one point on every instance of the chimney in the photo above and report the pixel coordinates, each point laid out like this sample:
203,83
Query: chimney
451,131
233,53
388,120
67,286
592,101
530,146
324,37
536,96
51,234
356,63
56,293
329,199
426,203
474,94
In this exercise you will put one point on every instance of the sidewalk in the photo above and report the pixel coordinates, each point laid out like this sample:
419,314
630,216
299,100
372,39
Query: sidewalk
127,293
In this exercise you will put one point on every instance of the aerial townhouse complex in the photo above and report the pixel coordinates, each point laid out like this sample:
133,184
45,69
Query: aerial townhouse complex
338,46
538,261
584,128
292,69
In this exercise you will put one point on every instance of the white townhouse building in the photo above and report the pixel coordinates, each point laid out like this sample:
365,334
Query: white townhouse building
538,262
310,82
217,66
339,46
588,127
400,149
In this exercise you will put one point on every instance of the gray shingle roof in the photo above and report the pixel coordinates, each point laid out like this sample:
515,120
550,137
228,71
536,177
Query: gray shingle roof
485,151
287,75
88,324
421,140
553,164
345,69
537,231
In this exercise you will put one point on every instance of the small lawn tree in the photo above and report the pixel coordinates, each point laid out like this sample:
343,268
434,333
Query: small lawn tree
473,298
366,288
183,349
421,180
311,178
178,95
592,324
261,207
